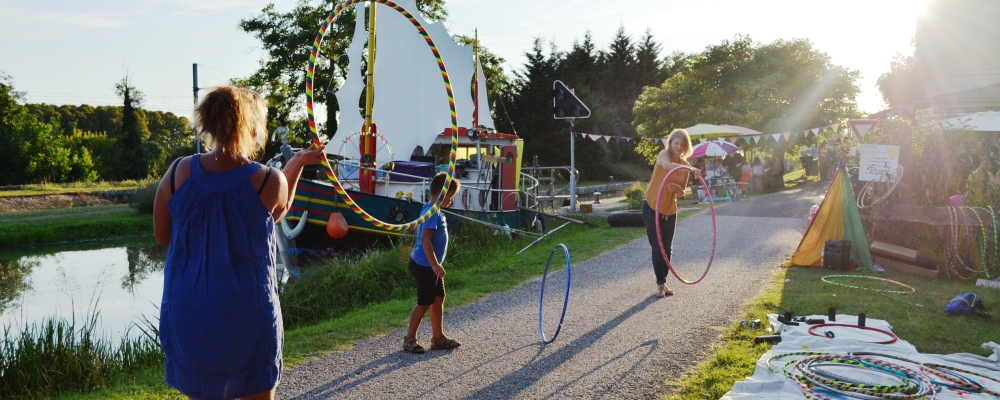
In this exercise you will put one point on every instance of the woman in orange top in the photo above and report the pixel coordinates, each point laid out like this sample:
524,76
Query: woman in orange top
672,157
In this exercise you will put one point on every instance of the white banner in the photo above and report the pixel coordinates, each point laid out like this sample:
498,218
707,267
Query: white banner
878,162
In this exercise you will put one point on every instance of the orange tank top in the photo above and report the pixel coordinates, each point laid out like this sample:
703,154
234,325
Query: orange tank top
668,199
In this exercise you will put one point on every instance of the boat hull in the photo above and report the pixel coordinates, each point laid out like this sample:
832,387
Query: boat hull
321,200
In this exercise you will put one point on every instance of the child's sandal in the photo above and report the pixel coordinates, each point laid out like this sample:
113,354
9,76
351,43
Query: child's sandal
410,345
443,343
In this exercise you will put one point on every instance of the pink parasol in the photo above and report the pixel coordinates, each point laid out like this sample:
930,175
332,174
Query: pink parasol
713,148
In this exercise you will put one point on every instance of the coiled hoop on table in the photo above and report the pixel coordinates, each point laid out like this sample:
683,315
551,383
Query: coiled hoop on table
912,289
659,236
310,73
541,296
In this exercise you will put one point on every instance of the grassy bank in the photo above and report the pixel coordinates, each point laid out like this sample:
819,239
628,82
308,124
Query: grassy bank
58,356
918,318
71,224
351,299
68,188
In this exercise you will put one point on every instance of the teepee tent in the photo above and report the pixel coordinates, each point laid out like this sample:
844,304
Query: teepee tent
838,218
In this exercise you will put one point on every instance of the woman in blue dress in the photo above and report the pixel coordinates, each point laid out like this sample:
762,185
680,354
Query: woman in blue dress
220,319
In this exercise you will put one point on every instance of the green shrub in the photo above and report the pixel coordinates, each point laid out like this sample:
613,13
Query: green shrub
333,287
142,199
633,195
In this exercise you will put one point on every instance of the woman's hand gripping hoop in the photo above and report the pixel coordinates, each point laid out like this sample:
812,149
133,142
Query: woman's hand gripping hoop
541,296
659,236
310,73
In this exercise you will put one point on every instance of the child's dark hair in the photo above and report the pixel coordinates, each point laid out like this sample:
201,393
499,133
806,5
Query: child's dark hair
438,182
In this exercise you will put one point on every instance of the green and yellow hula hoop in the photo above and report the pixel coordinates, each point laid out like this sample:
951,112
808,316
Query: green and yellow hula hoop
908,289
310,73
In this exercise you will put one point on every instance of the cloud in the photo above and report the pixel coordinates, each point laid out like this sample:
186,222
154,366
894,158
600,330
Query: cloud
66,19
189,6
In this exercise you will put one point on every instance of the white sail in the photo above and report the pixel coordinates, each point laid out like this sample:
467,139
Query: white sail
411,104
349,93
485,119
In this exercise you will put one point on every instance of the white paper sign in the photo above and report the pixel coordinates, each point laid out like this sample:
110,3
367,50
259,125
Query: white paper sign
877,161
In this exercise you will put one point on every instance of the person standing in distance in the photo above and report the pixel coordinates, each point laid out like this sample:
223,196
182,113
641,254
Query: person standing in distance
674,156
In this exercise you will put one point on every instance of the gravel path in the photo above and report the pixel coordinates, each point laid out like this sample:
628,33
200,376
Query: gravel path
618,340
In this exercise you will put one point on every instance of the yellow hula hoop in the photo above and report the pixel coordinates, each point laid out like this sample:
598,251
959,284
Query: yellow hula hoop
310,73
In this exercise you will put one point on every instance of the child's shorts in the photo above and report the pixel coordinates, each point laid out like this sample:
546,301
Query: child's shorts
428,284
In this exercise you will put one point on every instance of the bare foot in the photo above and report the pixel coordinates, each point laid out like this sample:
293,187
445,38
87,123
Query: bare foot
661,291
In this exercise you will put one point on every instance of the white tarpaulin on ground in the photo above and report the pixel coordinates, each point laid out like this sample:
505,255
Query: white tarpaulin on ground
764,384
986,121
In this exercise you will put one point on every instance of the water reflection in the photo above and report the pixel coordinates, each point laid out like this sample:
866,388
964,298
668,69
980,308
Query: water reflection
121,279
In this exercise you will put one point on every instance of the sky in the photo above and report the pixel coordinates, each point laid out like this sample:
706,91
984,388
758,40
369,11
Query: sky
73,52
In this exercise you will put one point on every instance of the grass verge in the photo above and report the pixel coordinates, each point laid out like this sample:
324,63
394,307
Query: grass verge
72,224
58,356
78,187
478,264
918,318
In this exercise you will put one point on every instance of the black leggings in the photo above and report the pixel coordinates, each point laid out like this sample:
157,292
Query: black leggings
667,226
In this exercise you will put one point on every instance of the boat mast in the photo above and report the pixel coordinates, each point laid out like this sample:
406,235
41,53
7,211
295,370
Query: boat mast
475,78
366,174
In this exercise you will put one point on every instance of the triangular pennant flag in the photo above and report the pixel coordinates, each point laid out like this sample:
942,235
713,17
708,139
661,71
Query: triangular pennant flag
805,133
628,139
786,135
815,131
607,139
756,139
776,136
734,139
649,139
594,138
665,142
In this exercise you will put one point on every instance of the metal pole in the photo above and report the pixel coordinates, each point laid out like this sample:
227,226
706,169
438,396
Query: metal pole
572,167
197,141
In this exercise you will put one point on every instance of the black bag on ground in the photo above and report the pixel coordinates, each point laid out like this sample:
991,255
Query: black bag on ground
837,255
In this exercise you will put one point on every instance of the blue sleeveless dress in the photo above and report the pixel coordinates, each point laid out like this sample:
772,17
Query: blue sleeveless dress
220,320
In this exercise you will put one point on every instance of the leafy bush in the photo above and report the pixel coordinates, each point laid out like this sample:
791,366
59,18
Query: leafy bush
330,288
142,199
633,195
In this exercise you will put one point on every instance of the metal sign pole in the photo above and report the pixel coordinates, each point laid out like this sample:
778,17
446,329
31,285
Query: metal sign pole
572,167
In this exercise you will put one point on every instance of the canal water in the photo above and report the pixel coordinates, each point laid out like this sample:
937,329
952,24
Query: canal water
121,280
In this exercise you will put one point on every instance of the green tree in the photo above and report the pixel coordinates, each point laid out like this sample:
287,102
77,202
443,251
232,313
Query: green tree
902,86
786,85
131,161
531,108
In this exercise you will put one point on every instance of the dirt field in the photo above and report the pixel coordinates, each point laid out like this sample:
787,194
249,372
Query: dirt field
49,202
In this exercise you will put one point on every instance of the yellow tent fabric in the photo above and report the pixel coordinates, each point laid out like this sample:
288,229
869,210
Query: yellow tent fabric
827,225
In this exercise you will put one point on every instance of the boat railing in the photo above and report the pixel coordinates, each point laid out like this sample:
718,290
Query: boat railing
527,196
547,175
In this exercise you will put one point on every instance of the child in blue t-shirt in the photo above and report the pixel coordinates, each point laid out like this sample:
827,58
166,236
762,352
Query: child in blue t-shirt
425,266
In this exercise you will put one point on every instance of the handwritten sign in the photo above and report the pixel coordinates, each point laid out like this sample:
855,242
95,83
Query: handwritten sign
878,162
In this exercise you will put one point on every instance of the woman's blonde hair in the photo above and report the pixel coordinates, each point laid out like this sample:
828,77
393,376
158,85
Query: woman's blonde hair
235,118
685,143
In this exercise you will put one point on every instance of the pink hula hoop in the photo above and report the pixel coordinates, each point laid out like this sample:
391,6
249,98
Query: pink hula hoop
659,236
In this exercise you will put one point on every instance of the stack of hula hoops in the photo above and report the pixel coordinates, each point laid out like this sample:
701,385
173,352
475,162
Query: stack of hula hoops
972,248
879,375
